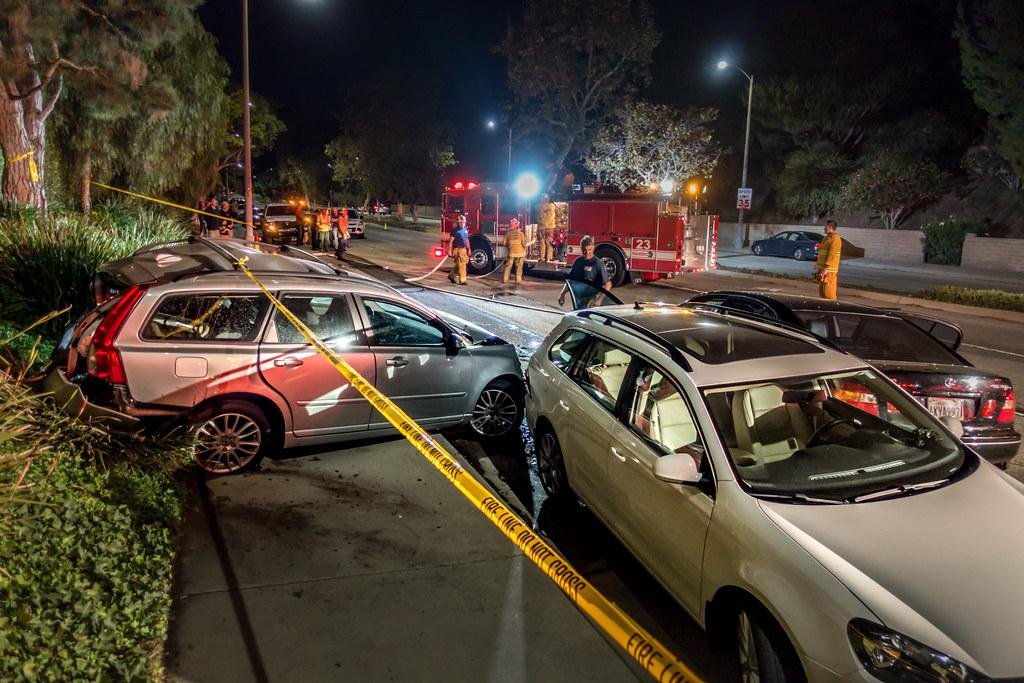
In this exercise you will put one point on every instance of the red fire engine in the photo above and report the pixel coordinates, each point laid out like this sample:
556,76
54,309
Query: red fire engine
642,235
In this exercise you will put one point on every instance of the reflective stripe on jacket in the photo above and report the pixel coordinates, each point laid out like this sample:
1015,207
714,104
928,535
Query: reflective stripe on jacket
829,251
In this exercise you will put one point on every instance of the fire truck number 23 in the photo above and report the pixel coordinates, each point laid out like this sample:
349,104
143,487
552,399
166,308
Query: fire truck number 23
642,244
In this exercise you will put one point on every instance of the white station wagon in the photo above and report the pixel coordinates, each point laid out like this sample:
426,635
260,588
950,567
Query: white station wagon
800,506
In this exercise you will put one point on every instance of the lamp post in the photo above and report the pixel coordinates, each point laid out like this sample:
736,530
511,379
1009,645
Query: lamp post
492,125
246,123
722,64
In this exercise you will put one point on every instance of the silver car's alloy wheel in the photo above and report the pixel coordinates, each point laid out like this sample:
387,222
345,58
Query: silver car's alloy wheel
747,649
227,442
495,413
550,466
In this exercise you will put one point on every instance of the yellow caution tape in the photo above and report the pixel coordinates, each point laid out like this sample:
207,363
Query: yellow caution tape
167,203
33,170
654,657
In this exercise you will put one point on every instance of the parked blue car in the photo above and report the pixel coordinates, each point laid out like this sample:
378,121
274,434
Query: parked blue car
798,244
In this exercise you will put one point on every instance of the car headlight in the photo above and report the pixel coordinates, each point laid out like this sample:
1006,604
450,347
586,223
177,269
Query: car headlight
893,657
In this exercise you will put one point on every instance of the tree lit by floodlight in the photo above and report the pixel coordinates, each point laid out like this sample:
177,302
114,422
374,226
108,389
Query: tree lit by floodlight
527,185
667,186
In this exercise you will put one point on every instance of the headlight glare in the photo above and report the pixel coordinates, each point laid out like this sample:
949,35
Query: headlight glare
893,657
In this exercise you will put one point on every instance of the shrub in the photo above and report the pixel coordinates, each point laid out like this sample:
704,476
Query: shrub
986,298
86,543
48,262
944,239
894,186
86,570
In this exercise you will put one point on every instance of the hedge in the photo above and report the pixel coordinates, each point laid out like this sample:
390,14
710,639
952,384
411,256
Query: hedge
986,298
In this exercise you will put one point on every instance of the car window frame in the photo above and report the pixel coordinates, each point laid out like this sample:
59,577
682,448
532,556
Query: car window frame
367,327
357,325
261,322
707,467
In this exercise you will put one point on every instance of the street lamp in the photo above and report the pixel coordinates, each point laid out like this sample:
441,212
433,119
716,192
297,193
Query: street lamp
491,124
246,122
722,65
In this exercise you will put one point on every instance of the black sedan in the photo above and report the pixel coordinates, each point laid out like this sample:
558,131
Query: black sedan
917,352
798,244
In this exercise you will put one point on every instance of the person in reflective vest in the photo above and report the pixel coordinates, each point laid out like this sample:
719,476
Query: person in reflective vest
546,226
515,240
826,268
343,234
323,227
459,251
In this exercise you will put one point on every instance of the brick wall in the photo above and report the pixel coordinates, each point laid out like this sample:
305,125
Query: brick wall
905,246
993,253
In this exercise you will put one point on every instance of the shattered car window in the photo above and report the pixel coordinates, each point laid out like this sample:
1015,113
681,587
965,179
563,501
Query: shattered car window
206,317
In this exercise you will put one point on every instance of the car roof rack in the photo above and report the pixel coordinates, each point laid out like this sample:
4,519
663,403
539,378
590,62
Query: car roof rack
219,248
747,315
647,334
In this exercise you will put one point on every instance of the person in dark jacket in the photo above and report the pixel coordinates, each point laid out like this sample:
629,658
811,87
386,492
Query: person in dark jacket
459,251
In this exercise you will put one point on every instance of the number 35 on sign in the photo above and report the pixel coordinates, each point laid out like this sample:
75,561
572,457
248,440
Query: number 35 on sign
743,197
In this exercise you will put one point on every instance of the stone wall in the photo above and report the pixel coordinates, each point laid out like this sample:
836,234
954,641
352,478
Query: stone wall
993,253
905,246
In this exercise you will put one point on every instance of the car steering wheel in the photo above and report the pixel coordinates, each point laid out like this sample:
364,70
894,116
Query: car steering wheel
827,427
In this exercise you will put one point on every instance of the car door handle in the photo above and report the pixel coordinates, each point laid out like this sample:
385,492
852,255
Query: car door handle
397,362
563,405
288,362
620,456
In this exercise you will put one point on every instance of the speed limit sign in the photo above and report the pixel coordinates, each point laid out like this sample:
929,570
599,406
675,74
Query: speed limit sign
743,197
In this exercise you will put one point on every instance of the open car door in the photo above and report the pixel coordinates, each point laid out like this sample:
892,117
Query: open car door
583,295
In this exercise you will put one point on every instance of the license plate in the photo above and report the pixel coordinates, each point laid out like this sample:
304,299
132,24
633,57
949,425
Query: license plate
946,407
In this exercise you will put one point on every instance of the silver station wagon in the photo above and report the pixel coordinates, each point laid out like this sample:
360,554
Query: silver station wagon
184,337
802,507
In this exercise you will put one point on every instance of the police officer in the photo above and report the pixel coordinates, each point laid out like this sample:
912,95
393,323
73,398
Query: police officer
459,251
546,225
826,268
515,240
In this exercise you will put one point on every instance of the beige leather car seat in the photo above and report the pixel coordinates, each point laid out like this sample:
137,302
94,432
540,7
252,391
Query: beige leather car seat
607,377
671,423
767,427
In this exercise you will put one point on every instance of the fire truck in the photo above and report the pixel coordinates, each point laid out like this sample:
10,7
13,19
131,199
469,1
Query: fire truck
638,236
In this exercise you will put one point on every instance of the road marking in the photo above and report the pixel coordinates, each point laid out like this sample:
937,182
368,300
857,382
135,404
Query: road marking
986,348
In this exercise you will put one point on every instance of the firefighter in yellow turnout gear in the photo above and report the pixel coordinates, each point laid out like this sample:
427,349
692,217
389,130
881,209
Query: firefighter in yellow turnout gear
515,240
546,226
826,268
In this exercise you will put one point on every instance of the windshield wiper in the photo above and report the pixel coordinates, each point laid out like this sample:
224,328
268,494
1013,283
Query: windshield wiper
799,497
901,490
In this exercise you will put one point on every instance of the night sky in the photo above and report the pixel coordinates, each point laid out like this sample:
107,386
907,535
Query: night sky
313,58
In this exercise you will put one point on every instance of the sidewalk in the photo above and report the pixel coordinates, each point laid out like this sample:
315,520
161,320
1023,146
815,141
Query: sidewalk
364,564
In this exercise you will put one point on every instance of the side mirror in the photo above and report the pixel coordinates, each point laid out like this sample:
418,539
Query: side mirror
677,468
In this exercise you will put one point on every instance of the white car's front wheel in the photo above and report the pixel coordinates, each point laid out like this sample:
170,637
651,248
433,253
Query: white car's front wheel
765,654
551,465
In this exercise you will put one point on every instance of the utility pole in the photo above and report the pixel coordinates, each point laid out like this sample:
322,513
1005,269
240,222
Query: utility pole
246,122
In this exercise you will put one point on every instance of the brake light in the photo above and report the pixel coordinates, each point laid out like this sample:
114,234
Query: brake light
1009,408
106,359
459,185
472,186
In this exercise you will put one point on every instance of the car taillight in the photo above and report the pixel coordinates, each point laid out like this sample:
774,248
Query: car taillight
1000,403
106,360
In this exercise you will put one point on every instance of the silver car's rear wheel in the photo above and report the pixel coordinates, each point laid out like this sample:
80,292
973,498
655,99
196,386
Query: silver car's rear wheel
230,438
497,412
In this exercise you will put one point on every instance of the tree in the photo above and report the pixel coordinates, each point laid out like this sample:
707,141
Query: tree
157,138
397,152
812,180
264,128
992,55
573,63
648,143
102,43
894,186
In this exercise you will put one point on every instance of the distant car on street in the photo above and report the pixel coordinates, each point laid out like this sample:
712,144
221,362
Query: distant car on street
186,338
355,223
801,245
280,224
917,352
